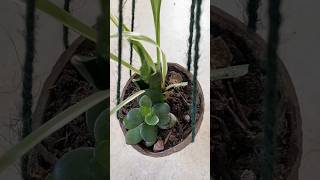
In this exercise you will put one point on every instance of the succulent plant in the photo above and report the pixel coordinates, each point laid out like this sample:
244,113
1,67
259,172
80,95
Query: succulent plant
143,122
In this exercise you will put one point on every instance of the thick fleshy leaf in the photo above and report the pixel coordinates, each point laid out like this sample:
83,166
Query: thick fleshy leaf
161,109
149,133
93,113
102,153
145,101
163,120
100,127
76,165
49,177
145,110
133,119
149,144
133,135
151,119
172,122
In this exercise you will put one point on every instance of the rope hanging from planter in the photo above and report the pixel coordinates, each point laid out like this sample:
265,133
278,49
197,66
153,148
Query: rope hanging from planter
195,66
119,49
252,13
271,89
27,79
65,28
133,7
190,39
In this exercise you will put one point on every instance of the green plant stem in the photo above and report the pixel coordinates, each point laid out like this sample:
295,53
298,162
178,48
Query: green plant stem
49,127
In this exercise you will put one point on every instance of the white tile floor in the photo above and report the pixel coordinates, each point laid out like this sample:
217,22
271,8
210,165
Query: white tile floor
192,162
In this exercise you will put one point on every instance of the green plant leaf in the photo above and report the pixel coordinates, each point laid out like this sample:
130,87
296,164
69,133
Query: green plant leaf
100,127
161,109
101,154
145,110
49,177
149,133
171,123
137,37
145,101
124,63
149,144
133,135
137,46
156,7
151,119
229,72
49,127
93,113
133,119
163,120
126,101
75,24
76,165
67,19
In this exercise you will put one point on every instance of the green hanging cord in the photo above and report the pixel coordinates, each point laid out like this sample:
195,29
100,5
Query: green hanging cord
190,39
195,67
65,28
252,13
133,7
27,80
271,89
119,49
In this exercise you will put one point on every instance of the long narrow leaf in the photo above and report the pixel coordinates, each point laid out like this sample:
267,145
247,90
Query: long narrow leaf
124,63
49,127
126,101
137,37
137,46
156,6
67,19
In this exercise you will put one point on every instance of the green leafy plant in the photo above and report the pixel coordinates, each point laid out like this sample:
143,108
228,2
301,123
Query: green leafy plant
143,122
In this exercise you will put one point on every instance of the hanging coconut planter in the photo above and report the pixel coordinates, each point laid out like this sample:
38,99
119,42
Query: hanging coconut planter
179,99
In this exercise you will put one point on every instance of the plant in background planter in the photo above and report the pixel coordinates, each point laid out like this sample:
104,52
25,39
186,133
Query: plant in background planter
237,110
88,159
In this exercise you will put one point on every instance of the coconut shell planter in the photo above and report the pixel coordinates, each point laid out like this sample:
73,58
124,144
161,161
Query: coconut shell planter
63,88
236,107
176,138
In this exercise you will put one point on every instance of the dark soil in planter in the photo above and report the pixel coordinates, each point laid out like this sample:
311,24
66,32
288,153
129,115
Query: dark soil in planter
236,115
179,100
69,89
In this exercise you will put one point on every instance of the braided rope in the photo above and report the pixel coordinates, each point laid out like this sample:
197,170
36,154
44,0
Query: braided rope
119,49
27,80
271,85
252,13
190,39
195,67
133,7
65,28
